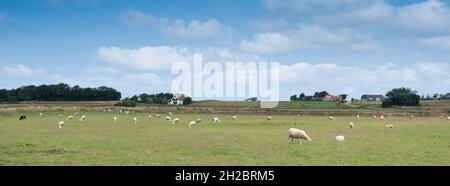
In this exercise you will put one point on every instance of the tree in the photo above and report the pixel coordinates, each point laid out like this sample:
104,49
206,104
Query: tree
343,96
401,97
187,101
126,103
301,96
293,98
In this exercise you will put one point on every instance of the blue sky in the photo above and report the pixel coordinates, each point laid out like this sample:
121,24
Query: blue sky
348,46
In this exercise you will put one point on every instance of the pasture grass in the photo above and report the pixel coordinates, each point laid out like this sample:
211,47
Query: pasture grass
250,140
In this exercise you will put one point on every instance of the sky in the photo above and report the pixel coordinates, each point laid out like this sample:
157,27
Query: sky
349,46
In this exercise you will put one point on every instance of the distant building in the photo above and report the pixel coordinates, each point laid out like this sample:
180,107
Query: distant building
177,99
367,97
330,97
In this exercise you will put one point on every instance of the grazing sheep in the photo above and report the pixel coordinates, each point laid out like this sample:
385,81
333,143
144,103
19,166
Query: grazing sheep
114,119
352,125
331,118
215,120
69,117
192,123
127,112
411,117
198,120
382,118
170,113
23,117
168,118
176,120
234,117
269,117
135,120
61,124
298,115
157,115
441,117
83,118
40,114
389,126
294,133
149,116
357,116
340,138
60,115
448,118
374,117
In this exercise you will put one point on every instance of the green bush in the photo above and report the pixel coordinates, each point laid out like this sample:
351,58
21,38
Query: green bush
187,101
126,103
401,97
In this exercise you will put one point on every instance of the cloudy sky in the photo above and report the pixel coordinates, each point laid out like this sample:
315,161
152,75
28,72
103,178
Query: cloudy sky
347,46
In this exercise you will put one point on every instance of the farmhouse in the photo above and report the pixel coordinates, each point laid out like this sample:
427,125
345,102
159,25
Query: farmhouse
368,97
330,97
177,99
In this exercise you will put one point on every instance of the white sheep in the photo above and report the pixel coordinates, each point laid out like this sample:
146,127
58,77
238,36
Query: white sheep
331,118
340,138
234,117
411,117
374,117
83,118
69,117
294,133
269,117
170,113
176,120
192,123
389,126
215,120
168,118
149,116
114,119
135,120
40,114
61,124
441,117
127,112
157,115
198,120
352,125
298,115
382,118
357,116
60,115
448,119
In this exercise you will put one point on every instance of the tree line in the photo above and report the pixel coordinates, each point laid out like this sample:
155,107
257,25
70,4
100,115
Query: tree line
159,98
315,97
58,92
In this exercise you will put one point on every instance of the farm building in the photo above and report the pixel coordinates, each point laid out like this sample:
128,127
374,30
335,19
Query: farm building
177,99
367,97
330,97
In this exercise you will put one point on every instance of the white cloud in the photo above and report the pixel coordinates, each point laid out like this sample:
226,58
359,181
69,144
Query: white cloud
355,81
306,36
440,42
162,57
20,70
177,28
427,17
145,58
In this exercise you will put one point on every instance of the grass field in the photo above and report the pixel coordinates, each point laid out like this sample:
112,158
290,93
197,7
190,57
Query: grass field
251,140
